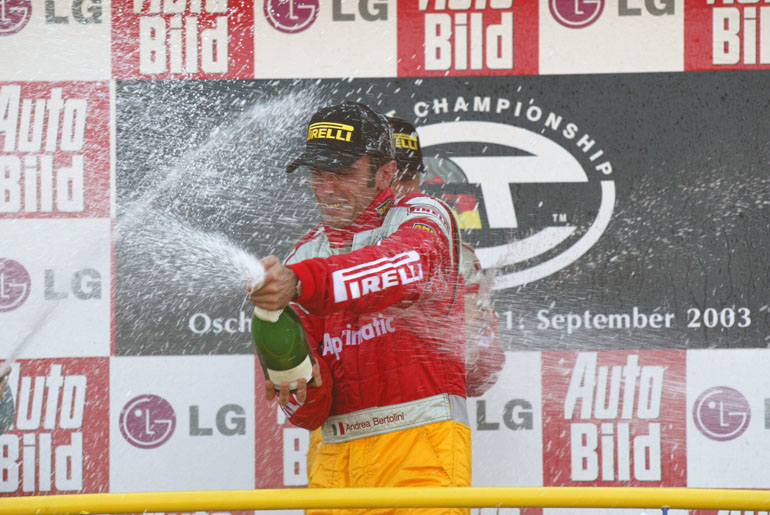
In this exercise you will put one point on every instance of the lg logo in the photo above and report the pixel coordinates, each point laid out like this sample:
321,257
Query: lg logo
292,16
85,12
84,284
15,285
576,14
148,421
721,413
230,420
369,10
14,16
517,415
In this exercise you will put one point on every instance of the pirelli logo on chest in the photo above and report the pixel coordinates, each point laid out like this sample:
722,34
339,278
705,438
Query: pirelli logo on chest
330,130
375,276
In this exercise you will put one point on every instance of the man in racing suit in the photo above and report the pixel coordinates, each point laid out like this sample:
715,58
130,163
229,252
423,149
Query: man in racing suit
484,355
381,297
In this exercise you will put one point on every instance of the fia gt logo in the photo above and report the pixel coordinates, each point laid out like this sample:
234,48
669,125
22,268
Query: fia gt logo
550,240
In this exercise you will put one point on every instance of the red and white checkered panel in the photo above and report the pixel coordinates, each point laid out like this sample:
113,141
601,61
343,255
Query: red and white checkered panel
437,38
727,35
614,418
728,418
55,140
506,421
601,36
55,40
88,421
312,38
184,423
55,288
200,39
58,443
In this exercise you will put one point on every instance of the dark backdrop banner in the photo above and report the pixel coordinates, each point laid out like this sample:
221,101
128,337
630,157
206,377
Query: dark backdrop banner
616,211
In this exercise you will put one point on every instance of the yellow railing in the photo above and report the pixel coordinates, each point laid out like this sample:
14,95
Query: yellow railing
278,499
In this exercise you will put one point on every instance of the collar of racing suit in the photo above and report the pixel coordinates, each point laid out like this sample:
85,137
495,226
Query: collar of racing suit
370,219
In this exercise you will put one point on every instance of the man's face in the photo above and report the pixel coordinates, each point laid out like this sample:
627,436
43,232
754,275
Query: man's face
344,194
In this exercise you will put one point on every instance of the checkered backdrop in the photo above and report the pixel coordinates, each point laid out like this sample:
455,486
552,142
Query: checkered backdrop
607,160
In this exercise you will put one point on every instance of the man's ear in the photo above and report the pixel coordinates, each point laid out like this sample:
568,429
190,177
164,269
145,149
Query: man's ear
385,175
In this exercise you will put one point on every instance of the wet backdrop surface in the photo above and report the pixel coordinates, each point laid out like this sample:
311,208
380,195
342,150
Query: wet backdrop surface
616,211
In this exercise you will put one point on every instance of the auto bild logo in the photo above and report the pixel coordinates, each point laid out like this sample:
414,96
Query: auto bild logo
576,14
14,15
15,285
291,16
147,421
532,201
721,413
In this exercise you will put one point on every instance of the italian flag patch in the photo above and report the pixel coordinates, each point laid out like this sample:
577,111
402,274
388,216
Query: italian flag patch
339,429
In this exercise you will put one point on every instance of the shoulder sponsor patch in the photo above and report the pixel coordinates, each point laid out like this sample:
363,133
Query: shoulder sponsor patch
424,227
434,213
383,208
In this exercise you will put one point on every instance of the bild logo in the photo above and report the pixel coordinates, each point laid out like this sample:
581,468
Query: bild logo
15,285
291,16
14,15
147,421
576,14
721,413
530,205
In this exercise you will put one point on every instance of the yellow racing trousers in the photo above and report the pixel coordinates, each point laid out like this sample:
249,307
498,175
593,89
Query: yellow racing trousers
437,454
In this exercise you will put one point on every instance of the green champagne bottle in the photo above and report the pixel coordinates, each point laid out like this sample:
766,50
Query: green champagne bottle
282,346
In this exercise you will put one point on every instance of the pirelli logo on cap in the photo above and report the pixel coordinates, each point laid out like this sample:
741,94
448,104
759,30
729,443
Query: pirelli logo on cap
330,130
406,141
375,276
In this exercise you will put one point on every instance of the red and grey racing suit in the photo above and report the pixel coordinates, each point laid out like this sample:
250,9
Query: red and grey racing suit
382,304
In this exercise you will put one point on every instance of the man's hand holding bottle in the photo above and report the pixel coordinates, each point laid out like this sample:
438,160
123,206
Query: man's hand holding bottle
279,287
284,391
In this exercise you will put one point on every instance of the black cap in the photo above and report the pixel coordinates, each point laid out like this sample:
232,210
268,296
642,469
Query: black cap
408,150
339,135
